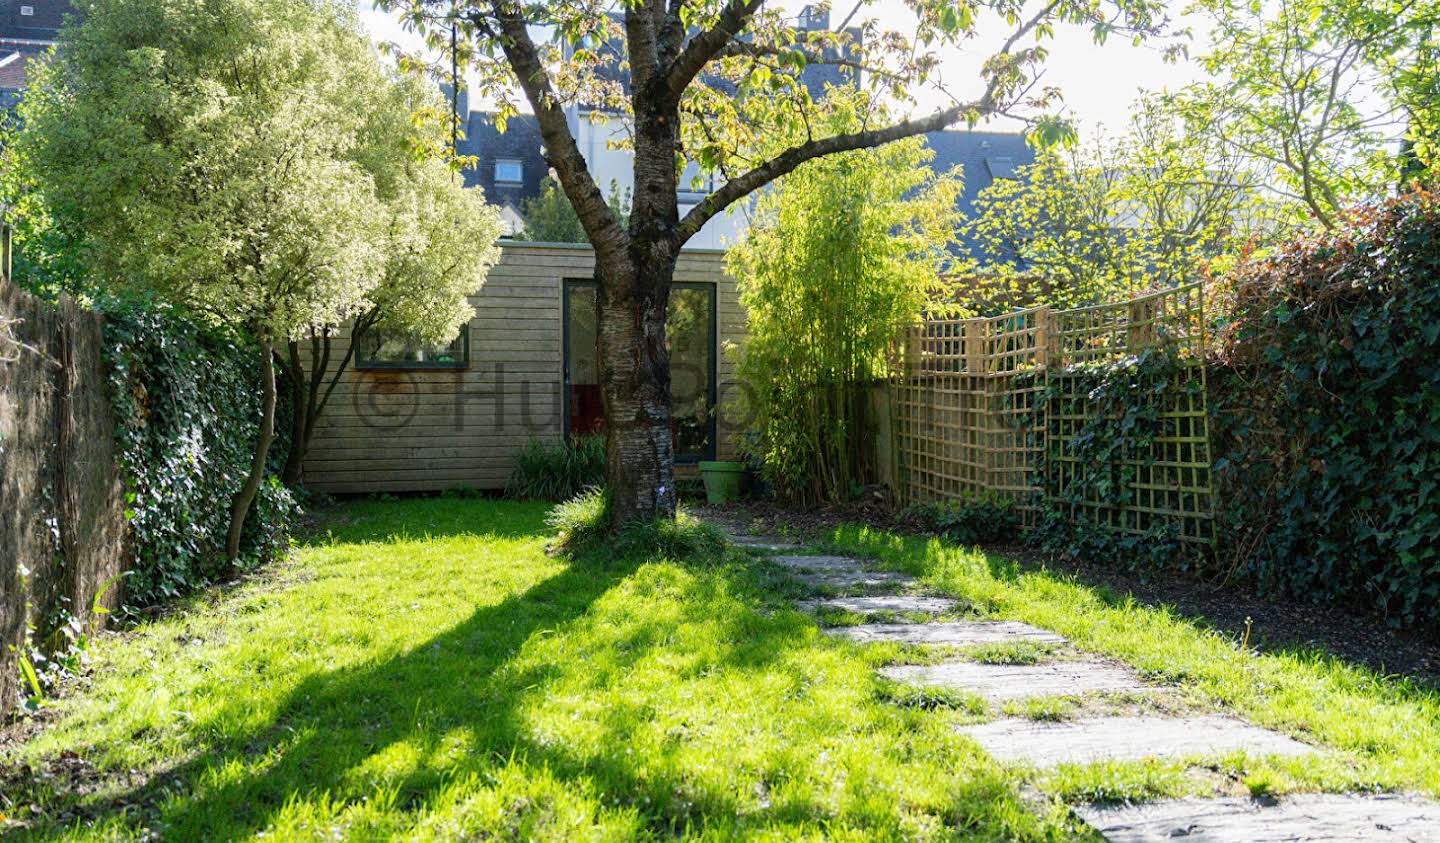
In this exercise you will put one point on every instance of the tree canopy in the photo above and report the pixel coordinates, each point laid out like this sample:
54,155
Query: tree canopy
1320,97
1152,207
256,163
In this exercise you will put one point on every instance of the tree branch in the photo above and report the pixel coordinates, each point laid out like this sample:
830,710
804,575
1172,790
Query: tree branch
706,45
786,162
561,151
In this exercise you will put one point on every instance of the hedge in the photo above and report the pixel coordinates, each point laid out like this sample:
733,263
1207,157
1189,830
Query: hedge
1326,406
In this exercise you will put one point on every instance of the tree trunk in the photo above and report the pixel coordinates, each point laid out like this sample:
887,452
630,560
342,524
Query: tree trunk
293,474
635,374
240,504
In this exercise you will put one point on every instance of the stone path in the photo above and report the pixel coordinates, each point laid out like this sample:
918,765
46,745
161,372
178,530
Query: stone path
884,603
949,634
1126,738
1314,817
999,682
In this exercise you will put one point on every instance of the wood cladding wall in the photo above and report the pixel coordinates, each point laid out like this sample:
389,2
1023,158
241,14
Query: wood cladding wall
397,430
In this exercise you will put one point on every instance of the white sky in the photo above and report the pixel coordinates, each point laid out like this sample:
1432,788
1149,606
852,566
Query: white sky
1100,83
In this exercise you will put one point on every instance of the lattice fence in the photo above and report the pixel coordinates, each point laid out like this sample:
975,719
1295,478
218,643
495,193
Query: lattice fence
995,405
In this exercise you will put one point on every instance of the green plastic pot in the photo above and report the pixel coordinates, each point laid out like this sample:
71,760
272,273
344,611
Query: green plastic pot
722,480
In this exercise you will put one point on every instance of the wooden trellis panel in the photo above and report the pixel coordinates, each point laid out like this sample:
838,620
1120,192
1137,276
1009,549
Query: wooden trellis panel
958,408
970,415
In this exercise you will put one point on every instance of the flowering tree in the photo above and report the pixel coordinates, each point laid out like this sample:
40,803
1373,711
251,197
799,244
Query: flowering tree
721,84
252,161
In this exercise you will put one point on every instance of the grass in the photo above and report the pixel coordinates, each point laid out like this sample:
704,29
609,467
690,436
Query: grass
1019,652
423,669
1378,732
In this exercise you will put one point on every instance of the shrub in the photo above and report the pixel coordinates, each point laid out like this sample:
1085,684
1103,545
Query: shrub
557,471
841,258
1327,415
187,410
972,519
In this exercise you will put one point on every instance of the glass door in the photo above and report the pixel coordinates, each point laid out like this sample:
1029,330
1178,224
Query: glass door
690,337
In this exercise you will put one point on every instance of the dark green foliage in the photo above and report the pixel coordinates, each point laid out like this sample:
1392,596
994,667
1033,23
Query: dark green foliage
1106,422
187,408
557,471
1156,549
1327,410
972,519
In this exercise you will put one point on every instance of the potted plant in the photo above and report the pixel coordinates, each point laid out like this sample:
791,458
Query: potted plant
722,480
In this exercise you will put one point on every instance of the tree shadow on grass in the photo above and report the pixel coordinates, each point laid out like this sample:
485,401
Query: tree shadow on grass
332,735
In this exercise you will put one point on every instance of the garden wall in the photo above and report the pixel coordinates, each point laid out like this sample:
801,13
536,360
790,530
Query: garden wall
62,522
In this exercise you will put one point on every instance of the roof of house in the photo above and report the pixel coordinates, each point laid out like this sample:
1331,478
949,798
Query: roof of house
14,69
37,20
983,158
519,142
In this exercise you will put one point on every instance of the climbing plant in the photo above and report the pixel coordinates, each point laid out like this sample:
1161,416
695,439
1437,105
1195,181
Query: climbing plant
1106,426
187,411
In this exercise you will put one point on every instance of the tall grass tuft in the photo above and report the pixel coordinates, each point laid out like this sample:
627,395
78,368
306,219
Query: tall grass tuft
557,471
583,530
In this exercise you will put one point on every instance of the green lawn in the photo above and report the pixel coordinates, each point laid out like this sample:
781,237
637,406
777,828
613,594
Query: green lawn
422,669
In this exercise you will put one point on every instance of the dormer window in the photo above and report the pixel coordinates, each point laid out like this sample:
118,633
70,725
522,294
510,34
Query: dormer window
509,171
1001,167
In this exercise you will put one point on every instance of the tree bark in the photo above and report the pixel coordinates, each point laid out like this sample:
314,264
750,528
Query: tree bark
293,474
240,504
635,376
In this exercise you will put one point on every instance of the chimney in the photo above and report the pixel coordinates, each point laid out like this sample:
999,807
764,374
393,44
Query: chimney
814,17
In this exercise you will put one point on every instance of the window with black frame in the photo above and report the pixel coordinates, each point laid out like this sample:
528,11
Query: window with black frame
374,349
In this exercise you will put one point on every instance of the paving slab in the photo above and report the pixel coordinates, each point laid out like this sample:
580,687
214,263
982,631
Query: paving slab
761,543
884,603
1309,817
818,563
958,633
853,579
1126,738
1018,681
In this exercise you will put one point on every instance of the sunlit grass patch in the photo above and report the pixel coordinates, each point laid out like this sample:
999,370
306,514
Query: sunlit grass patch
1380,732
930,697
1118,781
1009,652
1044,709
425,669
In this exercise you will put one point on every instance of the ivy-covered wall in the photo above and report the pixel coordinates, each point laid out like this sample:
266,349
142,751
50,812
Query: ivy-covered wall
1323,393
187,405
1326,405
